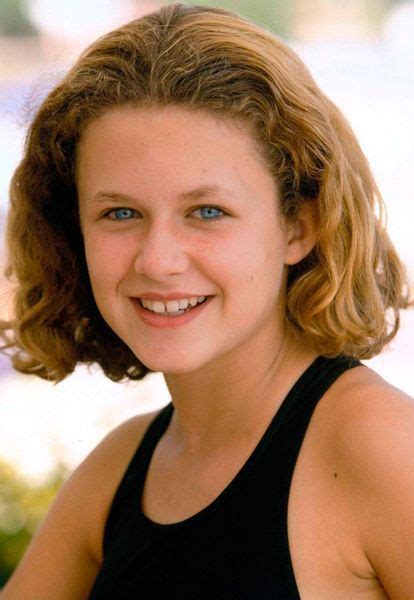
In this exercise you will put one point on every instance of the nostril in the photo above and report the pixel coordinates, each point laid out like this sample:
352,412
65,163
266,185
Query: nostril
157,263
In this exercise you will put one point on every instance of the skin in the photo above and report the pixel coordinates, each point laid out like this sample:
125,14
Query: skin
350,511
146,159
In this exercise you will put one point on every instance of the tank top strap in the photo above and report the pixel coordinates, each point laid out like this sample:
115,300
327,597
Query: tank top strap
285,434
278,449
301,400
284,441
151,438
238,546
134,475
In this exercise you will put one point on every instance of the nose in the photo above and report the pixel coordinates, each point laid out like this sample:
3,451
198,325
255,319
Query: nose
161,252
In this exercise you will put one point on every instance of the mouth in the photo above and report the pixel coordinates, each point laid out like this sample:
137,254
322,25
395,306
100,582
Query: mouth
171,308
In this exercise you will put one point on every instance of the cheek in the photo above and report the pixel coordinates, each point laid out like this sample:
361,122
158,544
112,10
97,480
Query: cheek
104,261
265,269
251,273
256,255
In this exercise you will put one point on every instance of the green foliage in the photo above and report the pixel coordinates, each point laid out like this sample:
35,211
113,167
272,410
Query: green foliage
13,18
22,507
278,15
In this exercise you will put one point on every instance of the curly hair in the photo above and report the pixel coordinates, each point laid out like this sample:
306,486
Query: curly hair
345,296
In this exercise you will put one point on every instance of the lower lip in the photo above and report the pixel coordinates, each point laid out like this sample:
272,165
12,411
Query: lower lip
161,322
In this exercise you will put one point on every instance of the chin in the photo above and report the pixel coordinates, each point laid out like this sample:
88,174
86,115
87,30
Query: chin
170,365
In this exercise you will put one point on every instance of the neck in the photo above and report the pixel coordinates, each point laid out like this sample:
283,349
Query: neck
233,398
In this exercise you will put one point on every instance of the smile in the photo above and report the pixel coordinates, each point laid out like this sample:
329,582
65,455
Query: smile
168,314
172,307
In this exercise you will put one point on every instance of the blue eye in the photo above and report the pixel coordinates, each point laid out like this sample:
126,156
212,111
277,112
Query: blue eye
121,214
209,213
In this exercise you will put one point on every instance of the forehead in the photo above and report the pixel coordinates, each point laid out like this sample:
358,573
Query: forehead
148,146
167,125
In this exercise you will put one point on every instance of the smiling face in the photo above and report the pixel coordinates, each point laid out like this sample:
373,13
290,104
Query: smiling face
177,205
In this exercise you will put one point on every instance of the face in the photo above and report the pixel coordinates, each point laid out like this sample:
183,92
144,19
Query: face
178,209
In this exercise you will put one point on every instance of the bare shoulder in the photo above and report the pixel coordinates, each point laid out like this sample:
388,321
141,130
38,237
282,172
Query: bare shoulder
368,412
64,556
371,437
99,475
370,424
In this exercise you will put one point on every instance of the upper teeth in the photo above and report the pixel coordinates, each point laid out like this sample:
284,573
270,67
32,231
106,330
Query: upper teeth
172,306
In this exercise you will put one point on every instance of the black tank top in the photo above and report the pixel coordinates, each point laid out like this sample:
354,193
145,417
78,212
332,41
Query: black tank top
237,547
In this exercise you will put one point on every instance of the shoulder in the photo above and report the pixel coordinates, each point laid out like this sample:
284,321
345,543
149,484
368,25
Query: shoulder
371,437
94,482
86,497
361,414
369,415
124,438
64,555
371,426
99,475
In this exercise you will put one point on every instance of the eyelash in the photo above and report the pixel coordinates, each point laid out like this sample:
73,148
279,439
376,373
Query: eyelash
115,210
209,207
131,210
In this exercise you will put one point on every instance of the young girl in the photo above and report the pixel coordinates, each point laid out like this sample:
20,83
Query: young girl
189,202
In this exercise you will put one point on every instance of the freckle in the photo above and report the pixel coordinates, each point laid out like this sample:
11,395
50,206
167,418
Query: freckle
336,475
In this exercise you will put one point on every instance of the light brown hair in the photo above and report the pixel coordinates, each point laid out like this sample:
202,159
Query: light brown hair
345,296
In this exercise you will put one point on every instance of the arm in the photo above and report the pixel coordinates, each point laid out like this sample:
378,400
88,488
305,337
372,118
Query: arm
376,453
64,557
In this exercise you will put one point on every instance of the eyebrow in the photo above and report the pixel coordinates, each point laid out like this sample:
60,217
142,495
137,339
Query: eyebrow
195,194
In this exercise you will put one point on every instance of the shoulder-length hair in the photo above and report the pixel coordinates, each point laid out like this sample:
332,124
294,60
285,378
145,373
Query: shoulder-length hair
344,297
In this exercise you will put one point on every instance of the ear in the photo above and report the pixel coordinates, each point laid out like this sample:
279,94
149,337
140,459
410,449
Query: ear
301,234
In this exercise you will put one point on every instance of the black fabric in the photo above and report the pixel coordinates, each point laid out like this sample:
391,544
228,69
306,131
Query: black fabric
237,547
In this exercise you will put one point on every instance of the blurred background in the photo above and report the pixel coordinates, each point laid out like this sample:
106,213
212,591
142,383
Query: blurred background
361,52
